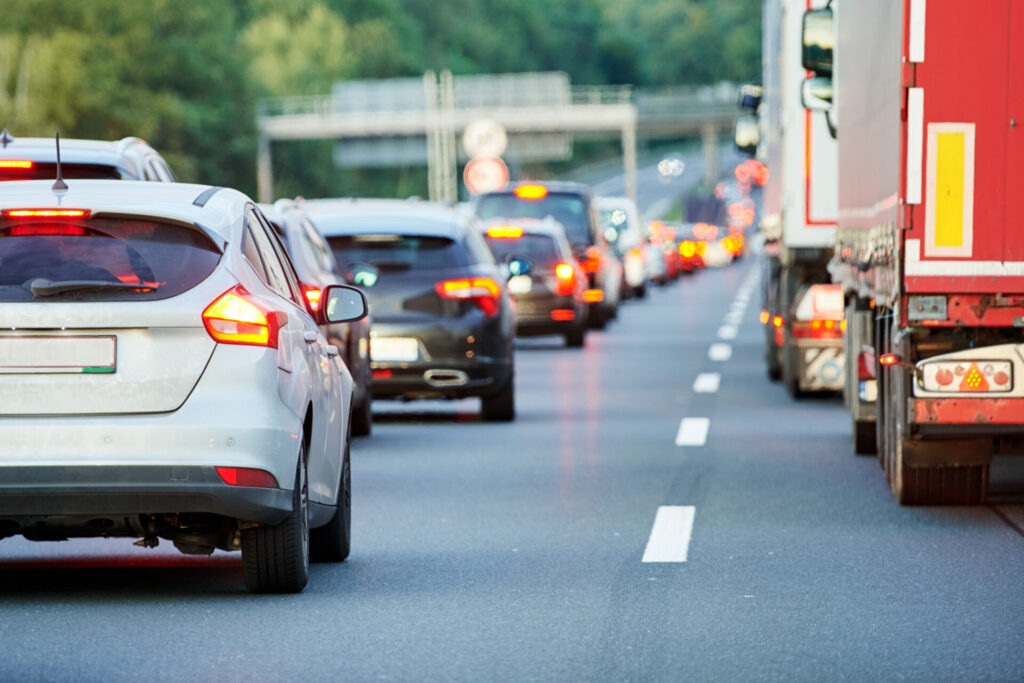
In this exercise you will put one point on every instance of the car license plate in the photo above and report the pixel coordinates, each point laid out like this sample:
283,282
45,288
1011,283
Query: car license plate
47,355
520,284
396,349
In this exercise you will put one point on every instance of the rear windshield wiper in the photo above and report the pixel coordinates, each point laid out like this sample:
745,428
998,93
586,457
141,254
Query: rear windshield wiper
42,287
392,266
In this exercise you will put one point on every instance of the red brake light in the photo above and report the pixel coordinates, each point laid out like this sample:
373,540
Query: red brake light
592,262
593,296
819,328
687,249
563,314
505,232
15,163
566,279
46,229
531,192
484,291
45,213
247,476
312,298
233,319
889,359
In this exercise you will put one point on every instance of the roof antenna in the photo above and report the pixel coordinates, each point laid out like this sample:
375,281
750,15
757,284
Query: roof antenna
59,187
5,138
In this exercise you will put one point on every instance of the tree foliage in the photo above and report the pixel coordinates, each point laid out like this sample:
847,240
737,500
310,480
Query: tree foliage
186,74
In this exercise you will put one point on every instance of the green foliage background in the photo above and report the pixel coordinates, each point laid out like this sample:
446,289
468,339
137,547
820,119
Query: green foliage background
186,74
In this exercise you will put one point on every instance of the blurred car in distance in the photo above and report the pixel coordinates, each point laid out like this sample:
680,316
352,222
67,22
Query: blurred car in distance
316,268
620,220
161,377
549,300
125,159
443,325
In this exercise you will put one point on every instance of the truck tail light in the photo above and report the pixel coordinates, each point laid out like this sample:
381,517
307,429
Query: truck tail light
817,328
566,279
967,376
234,319
483,291
15,163
865,368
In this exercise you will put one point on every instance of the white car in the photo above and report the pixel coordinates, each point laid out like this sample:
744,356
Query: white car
125,159
161,377
620,221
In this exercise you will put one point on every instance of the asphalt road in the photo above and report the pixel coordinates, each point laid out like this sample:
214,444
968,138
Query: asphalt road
515,552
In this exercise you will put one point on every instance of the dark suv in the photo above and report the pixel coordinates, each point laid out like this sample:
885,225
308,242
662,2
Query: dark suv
572,205
443,325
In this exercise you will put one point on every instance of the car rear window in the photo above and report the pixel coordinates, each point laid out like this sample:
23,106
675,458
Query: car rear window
48,171
540,249
397,253
101,259
568,209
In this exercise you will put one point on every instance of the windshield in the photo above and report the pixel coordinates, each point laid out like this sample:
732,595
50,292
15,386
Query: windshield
540,249
109,259
568,209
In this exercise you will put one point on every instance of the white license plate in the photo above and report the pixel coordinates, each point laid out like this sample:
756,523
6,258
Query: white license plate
395,349
520,284
47,355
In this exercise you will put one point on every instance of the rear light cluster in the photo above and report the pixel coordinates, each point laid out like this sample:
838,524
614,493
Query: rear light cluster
566,277
967,377
312,298
483,291
818,329
563,314
233,318
591,262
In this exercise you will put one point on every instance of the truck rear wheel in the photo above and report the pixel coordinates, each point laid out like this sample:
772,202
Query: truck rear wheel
864,438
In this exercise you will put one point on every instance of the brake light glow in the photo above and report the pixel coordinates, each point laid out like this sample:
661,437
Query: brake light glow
15,163
777,321
233,319
888,359
687,249
566,279
563,314
46,229
483,291
531,192
593,296
505,232
247,476
380,374
816,329
312,298
592,262
45,213
765,317
967,376
702,248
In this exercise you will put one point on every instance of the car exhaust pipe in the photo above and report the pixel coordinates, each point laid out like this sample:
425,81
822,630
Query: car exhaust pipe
445,378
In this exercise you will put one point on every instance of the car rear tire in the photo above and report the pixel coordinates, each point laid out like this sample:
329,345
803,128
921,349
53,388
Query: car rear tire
276,558
574,338
362,417
864,438
333,541
502,406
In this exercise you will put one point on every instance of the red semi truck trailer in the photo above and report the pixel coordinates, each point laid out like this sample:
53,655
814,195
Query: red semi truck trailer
928,102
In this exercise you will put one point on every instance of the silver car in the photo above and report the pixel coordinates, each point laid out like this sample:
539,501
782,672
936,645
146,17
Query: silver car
160,377
125,159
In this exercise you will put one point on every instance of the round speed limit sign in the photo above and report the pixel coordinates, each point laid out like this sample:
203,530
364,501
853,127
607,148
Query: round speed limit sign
487,174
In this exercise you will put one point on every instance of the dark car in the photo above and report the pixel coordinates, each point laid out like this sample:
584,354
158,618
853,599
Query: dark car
549,300
315,265
572,205
443,325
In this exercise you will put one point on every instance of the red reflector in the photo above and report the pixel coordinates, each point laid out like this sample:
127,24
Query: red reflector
864,368
47,229
380,374
563,314
532,192
505,232
313,297
233,319
593,296
13,163
566,279
247,476
45,213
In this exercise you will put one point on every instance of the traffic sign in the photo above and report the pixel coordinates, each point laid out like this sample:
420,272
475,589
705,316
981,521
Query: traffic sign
487,174
484,138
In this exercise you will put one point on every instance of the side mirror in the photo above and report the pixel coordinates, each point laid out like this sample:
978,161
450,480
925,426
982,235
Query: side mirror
519,266
747,134
750,96
816,93
362,274
818,42
344,304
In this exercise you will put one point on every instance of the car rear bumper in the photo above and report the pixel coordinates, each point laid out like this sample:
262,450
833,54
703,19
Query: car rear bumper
80,493
534,315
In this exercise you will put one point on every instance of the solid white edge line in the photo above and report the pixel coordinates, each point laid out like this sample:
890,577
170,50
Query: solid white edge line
693,431
670,535
707,383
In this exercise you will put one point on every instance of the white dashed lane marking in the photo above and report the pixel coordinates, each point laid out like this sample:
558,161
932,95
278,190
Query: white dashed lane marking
720,352
670,535
693,431
707,382
727,332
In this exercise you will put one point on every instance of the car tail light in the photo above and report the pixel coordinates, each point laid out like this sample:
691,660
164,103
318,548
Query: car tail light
531,192
483,291
233,319
15,163
566,279
702,248
817,329
591,262
687,249
967,376
505,232
46,229
247,476
777,322
765,317
312,297
45,213
380,374
593,296
563,314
